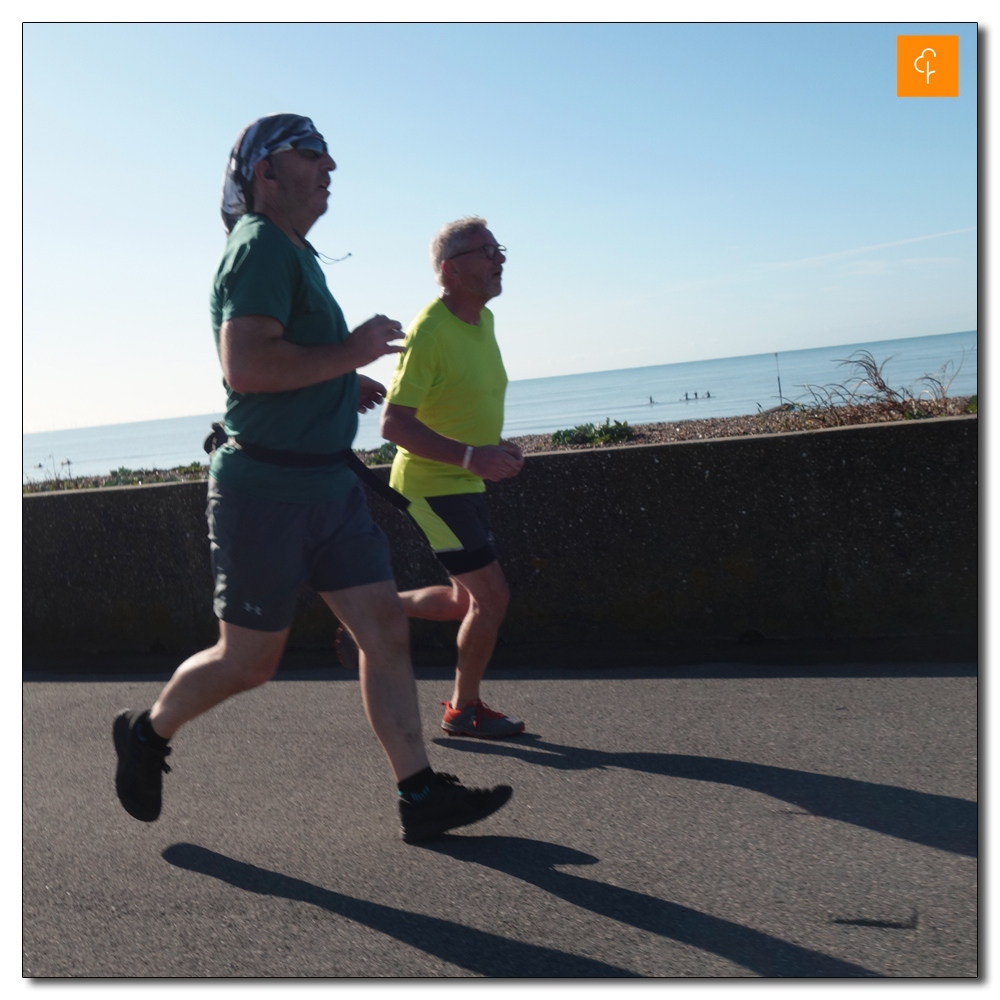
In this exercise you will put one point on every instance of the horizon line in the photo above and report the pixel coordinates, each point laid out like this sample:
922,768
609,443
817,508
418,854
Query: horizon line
539,378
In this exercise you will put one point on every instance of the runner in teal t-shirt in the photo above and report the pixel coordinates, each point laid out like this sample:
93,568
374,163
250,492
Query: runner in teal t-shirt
263,273
283,511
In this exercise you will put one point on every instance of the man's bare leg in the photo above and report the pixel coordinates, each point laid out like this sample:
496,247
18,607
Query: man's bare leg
436,604
429,804
488,596
242,659
375,617
479,600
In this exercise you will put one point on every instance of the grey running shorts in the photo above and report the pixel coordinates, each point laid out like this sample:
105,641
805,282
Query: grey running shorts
263,551
457,528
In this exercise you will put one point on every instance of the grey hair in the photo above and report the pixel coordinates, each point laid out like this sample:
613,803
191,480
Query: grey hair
451,238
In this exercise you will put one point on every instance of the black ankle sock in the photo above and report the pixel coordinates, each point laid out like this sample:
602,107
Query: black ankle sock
145,733
414,788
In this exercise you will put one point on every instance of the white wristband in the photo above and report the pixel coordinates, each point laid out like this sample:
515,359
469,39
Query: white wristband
468,457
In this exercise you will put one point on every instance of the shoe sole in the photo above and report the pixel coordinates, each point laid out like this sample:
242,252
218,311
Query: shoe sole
502,794
483,736
120,734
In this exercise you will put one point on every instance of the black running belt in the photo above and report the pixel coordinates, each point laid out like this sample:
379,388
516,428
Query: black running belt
308,460
377,483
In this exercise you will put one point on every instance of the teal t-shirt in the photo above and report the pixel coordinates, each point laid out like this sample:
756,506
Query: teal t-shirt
263,273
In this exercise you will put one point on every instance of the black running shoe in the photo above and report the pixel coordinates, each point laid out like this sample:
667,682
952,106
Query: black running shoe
141,765
445,804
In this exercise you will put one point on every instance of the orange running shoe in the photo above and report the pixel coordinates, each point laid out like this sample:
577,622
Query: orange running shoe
477,719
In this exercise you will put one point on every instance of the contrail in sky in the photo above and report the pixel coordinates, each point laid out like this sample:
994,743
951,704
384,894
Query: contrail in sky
757,269
877,246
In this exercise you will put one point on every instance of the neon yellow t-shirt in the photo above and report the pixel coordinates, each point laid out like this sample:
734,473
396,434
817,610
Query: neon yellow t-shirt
453,374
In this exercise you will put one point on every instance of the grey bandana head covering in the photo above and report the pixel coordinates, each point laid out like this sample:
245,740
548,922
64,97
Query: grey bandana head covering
260,139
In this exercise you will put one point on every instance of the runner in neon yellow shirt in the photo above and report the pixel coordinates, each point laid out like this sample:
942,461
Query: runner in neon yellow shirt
451,373
444,411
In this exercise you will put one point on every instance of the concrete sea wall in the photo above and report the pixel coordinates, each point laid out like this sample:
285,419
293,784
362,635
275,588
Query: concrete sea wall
851,533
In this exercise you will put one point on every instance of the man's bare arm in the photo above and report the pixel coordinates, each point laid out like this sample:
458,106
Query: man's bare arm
492,462
256,359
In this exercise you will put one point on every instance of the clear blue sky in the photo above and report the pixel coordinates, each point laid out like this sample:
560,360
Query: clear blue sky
668,193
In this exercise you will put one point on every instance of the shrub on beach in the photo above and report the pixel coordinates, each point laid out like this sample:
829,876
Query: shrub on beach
606,433
383,455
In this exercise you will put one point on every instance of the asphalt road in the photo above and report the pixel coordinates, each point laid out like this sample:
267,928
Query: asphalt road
709,822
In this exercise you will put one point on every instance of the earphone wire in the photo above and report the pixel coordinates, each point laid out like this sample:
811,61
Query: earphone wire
321,256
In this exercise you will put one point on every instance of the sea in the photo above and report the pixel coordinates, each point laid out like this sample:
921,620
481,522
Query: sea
690,390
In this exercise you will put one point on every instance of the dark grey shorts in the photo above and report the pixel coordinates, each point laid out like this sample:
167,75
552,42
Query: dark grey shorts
263,551
457,528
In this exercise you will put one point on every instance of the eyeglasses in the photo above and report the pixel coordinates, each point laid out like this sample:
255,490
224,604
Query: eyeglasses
490,249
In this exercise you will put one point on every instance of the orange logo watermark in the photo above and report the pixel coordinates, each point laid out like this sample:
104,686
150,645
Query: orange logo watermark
927,65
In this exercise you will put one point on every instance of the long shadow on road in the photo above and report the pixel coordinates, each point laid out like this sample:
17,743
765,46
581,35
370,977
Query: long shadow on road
940,821
535,861
478,951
